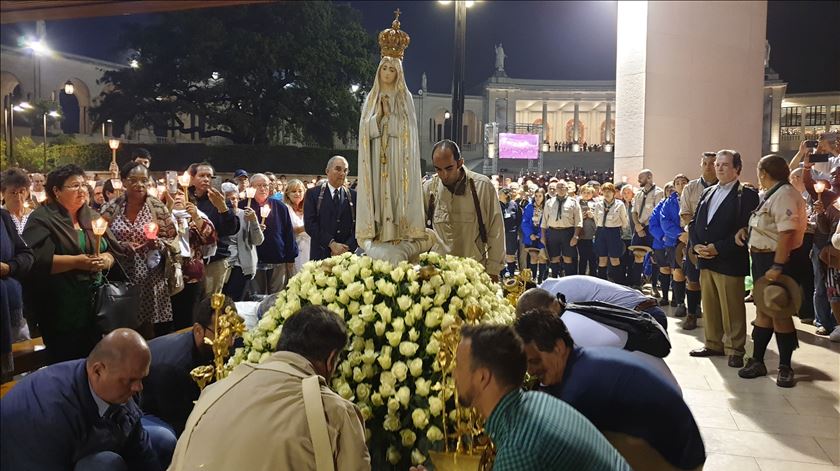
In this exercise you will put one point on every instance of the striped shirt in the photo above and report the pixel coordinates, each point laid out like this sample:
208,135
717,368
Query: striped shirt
533,430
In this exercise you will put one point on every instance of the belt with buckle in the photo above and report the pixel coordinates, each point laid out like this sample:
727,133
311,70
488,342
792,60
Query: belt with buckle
647,304
754,250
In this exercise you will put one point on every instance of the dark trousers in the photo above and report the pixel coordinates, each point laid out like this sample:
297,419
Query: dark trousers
235,287
587,260
626,261
801,258
183,304
69,345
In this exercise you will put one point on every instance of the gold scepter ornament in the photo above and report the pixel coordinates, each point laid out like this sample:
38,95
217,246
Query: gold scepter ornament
227,326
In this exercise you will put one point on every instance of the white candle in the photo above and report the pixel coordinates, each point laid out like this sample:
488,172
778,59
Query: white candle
265,211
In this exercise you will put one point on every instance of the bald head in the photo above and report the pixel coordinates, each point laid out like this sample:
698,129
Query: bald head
535,298
116,348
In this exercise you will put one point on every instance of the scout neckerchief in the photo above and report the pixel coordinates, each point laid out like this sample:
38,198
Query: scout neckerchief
644,197
606,211
560,207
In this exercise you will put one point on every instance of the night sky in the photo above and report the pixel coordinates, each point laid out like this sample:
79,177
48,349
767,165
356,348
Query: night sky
543,40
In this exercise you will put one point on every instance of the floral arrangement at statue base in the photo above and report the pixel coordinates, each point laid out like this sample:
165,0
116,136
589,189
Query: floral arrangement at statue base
395,366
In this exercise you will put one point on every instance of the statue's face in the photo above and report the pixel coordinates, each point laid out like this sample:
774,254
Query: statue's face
387,73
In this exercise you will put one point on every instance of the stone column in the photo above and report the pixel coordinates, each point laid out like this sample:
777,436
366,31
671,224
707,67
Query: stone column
545,120
575,125
607,126
671,93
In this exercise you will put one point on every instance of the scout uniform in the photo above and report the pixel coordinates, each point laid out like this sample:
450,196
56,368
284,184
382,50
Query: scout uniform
643,204
561,220
610,218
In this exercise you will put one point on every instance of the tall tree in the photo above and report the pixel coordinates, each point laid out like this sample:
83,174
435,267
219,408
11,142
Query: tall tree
246,73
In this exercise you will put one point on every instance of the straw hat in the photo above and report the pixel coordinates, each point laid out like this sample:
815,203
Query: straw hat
781,298
639,248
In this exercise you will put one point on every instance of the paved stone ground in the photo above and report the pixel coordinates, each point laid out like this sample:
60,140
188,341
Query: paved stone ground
754,425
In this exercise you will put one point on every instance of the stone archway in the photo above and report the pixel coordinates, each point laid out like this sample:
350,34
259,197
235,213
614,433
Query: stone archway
547,135
9,84
76,107
570,131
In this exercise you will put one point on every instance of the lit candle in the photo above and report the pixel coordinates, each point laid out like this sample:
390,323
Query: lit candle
161,189
91,183
265,210
153,191
151,230
40,196
819,187
249,193
116,183
184,181
99,226
26,205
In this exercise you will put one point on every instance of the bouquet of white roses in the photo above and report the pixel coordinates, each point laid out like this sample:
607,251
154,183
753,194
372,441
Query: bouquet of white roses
394,315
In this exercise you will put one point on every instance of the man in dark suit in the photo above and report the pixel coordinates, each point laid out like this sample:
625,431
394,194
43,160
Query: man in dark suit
329,213
723,210
81,414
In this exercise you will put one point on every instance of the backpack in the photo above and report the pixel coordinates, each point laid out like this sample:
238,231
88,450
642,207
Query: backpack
644,334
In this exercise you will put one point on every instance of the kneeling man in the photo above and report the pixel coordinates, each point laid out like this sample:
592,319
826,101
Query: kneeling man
263,416
639,412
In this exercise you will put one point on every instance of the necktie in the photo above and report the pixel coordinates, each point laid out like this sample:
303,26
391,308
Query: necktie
560,208
336,198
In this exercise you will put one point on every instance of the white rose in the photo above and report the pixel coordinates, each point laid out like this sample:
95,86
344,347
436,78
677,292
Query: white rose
414,288
386,377
422,387
356,325
369,283
353,308
329,295
376,399
273,338
426,302
457,302
393,405
420,418
384,312
413,335
254,356
336,309
332,282
345,391
432,347
368,357
463,291
434,434
393,455
257,344
408,437
397,274
415,366
386,390
347,277
346,369
362,391
381,266
355,289
366,411
448,319
436,281
315,298
417,457
343,297
365,273
400,370
354,358
408,349
435,405
434,316
384,361
267,324
391,423
368,370
393,338
433,258
264,356
358,344
368,434
321,279
427,289
398,325
358,375
366,313
379,328
369,297
404,302
404,395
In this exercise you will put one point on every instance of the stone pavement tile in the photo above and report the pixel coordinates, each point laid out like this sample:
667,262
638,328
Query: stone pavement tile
815,406
737,401
790,424
831,448
765,445
714,417
775,465
722,462
689,380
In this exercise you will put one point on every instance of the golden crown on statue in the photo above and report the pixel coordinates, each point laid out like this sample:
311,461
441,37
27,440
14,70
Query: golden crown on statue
393,41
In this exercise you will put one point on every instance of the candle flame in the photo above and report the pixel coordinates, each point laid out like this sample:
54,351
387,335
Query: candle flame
265,211
151,230
99,226
819,187
116,183
184,179
250,192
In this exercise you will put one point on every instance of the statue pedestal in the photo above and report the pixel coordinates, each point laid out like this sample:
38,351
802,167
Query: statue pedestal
394,253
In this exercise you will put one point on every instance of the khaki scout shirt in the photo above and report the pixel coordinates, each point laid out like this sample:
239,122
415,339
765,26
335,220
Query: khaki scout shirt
456,223
690,197
616,215
570,216
783,211
260,424
651,199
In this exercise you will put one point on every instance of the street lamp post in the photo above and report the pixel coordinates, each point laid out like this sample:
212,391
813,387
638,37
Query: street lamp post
23,106
458,72
54,114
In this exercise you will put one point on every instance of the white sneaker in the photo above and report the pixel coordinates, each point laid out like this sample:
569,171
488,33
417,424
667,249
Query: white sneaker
835,335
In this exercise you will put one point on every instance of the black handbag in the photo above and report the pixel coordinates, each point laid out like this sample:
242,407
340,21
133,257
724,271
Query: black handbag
643,332
116,305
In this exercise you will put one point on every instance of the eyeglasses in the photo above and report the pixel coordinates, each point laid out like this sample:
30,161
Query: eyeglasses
76,187
260,185
137,181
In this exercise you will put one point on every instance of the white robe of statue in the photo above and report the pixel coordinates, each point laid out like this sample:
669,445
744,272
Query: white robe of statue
390,220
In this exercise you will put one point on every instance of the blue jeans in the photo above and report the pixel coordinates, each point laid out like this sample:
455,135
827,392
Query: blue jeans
102,461
163,438
822,309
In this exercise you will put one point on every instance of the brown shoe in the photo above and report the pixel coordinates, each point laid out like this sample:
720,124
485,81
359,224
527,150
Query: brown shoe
690,322
705,352
736,361
785,378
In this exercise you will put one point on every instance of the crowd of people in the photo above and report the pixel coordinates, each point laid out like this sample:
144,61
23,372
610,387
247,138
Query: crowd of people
693,241
568,146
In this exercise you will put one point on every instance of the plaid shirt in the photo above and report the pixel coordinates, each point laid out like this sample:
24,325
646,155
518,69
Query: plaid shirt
532,430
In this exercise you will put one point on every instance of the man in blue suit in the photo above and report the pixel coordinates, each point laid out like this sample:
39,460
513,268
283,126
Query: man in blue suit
81,414
329,213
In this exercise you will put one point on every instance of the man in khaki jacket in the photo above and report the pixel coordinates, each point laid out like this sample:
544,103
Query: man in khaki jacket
259,417
463,208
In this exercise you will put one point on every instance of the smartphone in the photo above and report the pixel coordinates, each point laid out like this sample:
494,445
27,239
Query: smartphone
216,182
811,144
817,158
172,182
